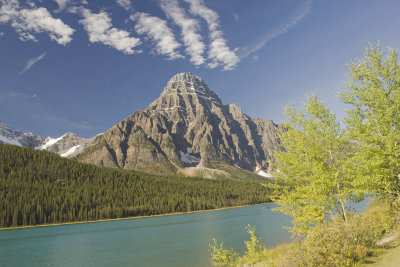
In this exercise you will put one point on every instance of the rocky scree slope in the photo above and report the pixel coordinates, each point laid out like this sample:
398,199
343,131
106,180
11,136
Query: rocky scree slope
187,129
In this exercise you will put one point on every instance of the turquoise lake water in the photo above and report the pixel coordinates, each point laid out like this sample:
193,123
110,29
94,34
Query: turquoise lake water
178,240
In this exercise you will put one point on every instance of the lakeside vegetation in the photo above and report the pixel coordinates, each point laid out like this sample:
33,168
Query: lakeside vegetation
326,164
331,243
39,187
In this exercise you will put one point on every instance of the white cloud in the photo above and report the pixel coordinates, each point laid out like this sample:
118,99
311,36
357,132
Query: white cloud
62,4
301,13
35,20
1,34
219,52
8,10
126,4
157,29
99,28
190,27
29,64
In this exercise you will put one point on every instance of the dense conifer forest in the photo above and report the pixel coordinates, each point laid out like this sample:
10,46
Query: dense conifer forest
38,187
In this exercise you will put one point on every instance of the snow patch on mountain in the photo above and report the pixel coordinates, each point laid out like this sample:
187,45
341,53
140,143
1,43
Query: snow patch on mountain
49,142
187,158
264,174
70,151
10,141
237,166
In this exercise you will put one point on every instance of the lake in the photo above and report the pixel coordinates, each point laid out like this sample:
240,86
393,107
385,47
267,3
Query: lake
178,240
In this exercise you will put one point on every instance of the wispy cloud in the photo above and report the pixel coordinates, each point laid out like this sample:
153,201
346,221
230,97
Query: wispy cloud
31,106
236,16
219,52
126,4
157,29
100,29
190,30
27,21
1,34
29,64
299,15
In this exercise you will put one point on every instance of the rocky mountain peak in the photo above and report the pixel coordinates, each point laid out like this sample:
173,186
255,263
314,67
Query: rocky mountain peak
6,131
185,91
186,77
186,127
235,110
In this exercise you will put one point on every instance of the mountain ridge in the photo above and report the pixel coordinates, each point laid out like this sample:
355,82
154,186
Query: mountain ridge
67,145
187,126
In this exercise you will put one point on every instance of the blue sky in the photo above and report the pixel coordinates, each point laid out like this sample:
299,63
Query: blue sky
82,66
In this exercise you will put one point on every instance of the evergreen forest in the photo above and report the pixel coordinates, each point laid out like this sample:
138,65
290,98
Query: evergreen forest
39,187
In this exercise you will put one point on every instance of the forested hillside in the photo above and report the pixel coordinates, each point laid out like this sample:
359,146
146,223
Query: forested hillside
38,187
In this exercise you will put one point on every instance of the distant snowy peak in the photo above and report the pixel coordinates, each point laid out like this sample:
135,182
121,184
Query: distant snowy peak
7,136
67,145
48,142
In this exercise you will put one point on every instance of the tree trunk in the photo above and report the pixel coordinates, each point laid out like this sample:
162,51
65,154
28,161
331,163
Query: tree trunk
343,210
333,218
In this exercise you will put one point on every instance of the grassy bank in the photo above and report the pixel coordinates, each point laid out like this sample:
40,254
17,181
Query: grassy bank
390,256
333,243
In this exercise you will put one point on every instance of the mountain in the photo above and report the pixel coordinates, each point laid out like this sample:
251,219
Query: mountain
7,136
187,129
67,145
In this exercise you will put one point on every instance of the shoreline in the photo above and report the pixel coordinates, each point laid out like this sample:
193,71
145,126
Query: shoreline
129,218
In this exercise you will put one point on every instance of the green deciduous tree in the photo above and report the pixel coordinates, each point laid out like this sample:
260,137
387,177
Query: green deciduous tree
374,118
315,176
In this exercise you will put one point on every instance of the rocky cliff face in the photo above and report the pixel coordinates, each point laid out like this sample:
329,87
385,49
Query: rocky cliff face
186,126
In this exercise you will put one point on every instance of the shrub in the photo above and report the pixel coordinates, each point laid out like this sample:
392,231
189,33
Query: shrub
256,252
336,243
221,256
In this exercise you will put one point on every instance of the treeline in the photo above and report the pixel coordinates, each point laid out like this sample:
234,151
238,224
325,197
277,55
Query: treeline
38,187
